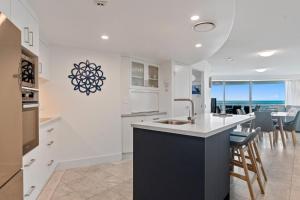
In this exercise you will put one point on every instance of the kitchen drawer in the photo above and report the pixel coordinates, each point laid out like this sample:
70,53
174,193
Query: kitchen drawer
48,131
32,173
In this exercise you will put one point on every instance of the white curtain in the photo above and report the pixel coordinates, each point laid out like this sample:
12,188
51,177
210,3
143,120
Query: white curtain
293,92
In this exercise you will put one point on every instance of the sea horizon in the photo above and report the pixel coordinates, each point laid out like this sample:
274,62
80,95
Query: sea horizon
260,102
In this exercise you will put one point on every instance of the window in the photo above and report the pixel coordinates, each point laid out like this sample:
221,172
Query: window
265,94
268,94
237,93
217,91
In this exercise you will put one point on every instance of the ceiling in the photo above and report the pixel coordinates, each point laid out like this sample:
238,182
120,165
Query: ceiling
261,25
154,29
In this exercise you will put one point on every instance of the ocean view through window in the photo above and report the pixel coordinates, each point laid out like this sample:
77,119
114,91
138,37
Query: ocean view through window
249,95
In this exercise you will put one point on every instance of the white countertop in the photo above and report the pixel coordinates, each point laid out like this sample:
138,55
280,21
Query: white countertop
205,125
47,120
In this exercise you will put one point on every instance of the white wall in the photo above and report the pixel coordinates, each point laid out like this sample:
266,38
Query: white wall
206,68
182,88
91,125
198,98
165,85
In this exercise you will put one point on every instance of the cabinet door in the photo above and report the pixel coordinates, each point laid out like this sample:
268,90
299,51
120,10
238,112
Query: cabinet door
27,24
153,76
44,70
20,16
5,7
127,132
137,74
13,190
34,38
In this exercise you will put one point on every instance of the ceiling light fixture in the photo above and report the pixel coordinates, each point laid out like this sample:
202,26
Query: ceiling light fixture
195,18
267,53
260,70
229,59
104,37
198,45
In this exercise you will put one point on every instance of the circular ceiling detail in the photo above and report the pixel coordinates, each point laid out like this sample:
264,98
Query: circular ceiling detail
204,26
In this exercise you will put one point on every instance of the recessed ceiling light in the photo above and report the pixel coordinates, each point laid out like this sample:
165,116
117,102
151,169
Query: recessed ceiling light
228,59
260,70
104,37
198,45
267,53
195,18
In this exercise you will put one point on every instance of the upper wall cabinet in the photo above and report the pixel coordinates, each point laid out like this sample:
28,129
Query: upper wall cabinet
44,61
144,75
28,25
5,7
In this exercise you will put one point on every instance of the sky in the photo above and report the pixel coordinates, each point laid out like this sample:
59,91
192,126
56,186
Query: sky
260,92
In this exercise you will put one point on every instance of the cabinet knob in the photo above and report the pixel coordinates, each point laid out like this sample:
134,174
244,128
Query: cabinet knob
50,130
30,163
30,191
50,163
50,143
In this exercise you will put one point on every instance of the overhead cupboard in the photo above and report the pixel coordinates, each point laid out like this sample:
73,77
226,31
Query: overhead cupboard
144,75
24,19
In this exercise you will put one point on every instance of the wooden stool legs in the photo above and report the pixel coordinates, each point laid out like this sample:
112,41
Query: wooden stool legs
252,152
258,159
294,137
246,178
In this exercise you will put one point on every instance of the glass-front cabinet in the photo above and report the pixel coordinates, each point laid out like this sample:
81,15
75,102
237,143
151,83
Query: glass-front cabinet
144,75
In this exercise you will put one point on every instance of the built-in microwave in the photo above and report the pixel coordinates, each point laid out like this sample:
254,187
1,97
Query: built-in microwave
28,72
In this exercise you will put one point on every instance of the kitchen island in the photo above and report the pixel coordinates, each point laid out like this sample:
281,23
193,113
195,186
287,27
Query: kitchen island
183,161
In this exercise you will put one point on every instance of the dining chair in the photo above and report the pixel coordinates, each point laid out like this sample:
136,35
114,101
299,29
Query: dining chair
291,127
264,120
247,125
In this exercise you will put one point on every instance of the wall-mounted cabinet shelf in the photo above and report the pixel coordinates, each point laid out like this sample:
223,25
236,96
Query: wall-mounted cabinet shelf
144,75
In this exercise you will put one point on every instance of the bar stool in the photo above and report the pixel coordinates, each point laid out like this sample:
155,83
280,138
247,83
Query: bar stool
254,147
239,147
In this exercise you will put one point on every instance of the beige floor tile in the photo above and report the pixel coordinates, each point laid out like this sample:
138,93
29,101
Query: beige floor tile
113,181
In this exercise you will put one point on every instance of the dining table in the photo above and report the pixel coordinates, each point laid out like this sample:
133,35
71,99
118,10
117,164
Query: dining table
282,117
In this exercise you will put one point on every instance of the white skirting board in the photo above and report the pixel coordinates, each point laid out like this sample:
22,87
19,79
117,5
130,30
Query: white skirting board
85,162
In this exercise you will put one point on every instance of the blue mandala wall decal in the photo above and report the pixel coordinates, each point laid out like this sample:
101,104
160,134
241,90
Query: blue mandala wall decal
87,77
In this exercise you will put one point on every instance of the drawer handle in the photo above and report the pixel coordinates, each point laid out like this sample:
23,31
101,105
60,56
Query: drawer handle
30,163
50,130
156,118
50,163
50,143
31,37
32,188
26,34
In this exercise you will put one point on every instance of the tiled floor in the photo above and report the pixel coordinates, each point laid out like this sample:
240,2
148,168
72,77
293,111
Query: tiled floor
114,181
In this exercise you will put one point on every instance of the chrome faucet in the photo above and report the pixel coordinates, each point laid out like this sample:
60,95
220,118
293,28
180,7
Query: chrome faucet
190,118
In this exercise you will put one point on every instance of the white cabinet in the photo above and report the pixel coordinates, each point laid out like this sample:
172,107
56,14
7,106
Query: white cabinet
5,7
144,75
28,25
44,61
40,163
127,130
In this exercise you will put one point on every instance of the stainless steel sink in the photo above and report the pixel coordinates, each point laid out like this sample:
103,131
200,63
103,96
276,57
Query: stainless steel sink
173,122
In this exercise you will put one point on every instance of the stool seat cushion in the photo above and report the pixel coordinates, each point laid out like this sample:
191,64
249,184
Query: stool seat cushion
239,133
238,141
